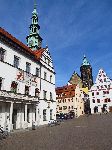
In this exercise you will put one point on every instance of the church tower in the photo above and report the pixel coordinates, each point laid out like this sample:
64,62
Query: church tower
86,73
34,41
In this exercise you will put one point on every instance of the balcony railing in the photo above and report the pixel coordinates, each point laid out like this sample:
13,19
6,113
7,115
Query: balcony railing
17,97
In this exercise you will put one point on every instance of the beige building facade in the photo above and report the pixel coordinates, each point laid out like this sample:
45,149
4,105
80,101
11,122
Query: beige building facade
69,98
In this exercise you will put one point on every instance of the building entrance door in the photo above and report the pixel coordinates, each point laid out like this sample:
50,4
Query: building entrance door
14,118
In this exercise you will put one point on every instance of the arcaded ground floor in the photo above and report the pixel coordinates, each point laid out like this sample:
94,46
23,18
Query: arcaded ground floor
85,133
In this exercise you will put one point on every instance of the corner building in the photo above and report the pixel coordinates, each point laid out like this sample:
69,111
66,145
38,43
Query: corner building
27,81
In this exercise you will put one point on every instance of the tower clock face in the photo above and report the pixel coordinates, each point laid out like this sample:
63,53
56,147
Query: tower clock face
31,42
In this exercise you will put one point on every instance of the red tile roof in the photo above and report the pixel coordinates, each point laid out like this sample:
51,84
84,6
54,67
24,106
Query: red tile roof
66,91
36,54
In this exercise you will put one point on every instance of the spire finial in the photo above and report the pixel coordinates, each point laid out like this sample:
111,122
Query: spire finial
35,4
84,55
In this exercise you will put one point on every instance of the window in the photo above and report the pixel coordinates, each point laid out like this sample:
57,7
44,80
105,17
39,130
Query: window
51,113
93,101
97,93
26,90
37,92
72,107
50,78
28,115
68,100
14,87
28,67
48,62
60,108
108,99
69,107
45,75
105,100
105,86
44,94
44,115
59,101
98,100
45,59
51,98
104,92
2,54
107,92
37,72
104,79
64,107
92,93
1,80
16,62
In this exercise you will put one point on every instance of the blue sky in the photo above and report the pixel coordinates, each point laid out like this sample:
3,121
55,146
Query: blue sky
71,28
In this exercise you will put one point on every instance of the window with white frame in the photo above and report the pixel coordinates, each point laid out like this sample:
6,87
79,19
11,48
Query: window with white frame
37,72
51,114
44,115
1,83
26,90
50,78
2,54
45,76
28,65
51,97
14,87
44,94
16,61
37,92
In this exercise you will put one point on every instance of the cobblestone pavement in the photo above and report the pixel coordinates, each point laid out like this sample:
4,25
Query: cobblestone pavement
85,133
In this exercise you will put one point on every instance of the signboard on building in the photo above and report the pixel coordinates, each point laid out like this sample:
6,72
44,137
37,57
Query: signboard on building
27,78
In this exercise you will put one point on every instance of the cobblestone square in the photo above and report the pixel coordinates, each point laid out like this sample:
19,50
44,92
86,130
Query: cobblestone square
85,133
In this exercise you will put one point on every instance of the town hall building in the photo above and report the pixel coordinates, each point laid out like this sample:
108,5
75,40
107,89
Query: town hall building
27,80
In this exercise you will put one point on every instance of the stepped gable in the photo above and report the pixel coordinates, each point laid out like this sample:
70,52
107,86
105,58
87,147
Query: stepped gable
102,77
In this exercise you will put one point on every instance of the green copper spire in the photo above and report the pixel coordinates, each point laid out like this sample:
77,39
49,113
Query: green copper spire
85,61
35,6
34,41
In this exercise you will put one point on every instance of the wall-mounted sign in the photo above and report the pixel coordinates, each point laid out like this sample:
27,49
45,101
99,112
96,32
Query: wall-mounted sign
28,79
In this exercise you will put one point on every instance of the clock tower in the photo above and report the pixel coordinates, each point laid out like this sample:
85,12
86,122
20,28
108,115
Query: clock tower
86,73
34,41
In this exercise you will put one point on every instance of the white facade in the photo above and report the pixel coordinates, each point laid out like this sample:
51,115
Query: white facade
19,109
100,94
